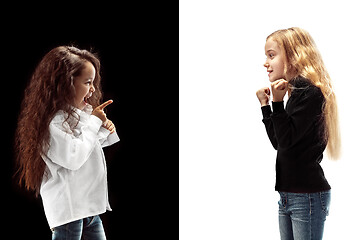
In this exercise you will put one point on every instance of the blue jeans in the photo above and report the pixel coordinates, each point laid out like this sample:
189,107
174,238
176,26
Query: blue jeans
302,215
89,228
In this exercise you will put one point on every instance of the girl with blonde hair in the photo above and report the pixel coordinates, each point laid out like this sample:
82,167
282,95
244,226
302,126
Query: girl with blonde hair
301,131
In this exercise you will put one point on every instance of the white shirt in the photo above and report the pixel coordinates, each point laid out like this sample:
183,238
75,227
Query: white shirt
74,185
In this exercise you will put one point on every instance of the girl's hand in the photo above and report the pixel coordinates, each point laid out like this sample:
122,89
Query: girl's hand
263,95
109,125
99,110
279,89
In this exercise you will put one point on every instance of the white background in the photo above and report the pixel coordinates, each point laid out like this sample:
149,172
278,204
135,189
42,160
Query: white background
227,164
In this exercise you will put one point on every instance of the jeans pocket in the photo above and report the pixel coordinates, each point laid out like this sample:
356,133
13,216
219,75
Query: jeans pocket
282,205
325,198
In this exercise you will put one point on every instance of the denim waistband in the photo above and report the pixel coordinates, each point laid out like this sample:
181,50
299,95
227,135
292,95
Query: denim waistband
294,193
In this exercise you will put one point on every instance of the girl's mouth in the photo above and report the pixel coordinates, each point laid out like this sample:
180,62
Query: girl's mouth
87,97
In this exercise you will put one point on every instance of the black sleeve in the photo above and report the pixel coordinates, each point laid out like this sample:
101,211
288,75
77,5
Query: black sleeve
304,109
266,111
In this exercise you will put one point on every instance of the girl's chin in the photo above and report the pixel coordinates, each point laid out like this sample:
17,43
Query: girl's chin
275,79
81,105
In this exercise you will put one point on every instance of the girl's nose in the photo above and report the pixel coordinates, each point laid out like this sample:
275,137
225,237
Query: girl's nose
266,65
92,88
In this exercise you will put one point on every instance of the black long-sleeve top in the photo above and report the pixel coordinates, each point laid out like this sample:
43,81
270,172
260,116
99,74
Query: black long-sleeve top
296,132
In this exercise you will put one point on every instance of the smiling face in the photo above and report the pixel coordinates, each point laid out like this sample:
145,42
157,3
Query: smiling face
275,60
84,85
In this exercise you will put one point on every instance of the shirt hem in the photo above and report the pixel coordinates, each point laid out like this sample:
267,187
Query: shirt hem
299,190
57,224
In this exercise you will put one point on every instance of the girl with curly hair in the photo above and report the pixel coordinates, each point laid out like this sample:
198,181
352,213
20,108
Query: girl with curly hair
62,128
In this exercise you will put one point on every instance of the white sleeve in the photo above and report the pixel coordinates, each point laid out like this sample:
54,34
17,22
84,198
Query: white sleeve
107,139
69,151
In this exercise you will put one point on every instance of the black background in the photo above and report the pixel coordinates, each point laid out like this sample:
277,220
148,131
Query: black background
138,47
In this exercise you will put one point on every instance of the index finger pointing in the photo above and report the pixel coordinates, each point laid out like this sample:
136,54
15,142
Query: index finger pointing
102,106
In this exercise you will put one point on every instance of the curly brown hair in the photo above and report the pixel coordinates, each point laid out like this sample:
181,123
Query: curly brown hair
51,88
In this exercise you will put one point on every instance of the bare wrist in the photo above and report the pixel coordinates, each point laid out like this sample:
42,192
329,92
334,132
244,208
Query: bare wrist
277,100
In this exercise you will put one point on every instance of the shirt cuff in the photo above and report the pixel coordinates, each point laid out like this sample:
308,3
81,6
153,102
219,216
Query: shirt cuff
278,107
266,111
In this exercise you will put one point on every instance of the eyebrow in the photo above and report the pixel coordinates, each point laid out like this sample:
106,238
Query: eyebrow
270,50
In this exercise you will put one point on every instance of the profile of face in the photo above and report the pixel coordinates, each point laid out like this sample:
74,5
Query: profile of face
84,85
275,61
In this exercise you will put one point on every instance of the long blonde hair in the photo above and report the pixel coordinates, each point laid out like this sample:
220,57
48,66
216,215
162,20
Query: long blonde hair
305,60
